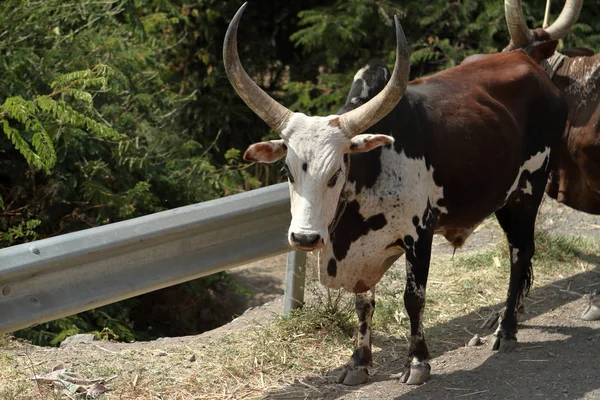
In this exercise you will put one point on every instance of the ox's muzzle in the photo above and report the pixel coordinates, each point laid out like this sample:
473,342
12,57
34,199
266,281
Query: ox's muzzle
306,241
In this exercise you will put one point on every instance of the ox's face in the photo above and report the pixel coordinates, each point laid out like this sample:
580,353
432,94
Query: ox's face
314,147
315,150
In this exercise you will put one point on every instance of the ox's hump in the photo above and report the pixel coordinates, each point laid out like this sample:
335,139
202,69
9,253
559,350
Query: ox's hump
368,81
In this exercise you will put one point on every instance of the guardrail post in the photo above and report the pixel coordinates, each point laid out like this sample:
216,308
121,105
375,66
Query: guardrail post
294,281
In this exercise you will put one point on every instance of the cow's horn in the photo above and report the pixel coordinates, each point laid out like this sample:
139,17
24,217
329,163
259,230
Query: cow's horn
547,14
365,116
565,20
515,20
269,110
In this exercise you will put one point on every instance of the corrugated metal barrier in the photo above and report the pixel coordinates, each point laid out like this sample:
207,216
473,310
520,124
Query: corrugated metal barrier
64,275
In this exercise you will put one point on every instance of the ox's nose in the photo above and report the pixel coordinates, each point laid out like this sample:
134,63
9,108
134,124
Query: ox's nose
305,241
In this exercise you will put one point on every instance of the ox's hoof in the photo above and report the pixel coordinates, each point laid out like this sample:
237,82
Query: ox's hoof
503,345
592,311
352,376
417,373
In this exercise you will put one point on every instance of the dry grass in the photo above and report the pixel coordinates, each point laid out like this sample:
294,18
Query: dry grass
274,355
14,381
468,283
287,356
5,340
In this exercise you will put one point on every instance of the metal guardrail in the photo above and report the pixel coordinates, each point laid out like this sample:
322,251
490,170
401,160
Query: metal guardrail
61,276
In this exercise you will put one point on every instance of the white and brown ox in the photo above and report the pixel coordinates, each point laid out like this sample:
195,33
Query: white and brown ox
442,153
575,175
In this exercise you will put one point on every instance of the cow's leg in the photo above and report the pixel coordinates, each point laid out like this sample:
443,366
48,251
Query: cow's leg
517,219
418,254
355,372
493,319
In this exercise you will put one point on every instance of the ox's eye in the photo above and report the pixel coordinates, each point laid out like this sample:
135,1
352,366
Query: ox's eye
332,181
289,175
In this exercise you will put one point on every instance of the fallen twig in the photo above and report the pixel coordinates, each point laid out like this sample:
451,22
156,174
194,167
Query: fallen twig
491,320
307,385
530,347
571,292
479,315
35,365
472,394
107,350
33,370
511,386
468,331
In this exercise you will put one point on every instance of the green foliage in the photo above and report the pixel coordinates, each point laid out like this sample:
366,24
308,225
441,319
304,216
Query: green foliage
552,251
440,33
318,98
343,27
99,108
99,124
109,322
23,231
22,146
32,116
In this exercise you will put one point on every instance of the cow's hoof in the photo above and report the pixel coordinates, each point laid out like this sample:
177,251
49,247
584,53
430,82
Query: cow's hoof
417,373
592,311
353,376
503,345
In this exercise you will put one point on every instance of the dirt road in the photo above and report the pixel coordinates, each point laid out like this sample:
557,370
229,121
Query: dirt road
557,357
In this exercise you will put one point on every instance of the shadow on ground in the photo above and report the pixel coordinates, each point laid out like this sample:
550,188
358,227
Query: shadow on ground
544,369
263,281
556,357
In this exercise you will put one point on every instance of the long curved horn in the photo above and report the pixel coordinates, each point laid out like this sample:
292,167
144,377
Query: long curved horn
547,15
269,110
567,18
365,116
517,27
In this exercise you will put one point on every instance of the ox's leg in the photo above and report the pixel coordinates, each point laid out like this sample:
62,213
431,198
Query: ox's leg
517,219
418,255
355,372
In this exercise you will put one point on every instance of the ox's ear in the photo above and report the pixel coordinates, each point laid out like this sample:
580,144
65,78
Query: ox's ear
540,51
366,142
266,152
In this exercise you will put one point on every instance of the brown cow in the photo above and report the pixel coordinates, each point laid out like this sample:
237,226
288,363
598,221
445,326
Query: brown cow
575,177
575,181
